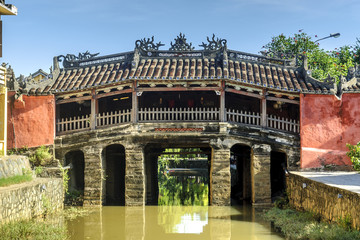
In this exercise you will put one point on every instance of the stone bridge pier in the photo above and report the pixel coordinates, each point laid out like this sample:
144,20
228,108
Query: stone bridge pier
136,179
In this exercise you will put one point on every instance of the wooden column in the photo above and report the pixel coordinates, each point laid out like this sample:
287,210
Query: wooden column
263,112
134,111
94,110
222,102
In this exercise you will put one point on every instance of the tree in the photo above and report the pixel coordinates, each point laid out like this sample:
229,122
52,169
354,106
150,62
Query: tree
321,63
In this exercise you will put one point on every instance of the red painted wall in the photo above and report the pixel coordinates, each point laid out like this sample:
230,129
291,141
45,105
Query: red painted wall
30,121
327,124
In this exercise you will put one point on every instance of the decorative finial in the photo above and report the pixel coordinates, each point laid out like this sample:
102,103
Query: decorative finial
180,44
213,44
148,45
70,59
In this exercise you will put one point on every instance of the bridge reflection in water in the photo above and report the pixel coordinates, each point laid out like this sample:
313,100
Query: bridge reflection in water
172,222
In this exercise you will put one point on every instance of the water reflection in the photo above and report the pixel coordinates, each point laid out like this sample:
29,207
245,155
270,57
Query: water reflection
172,222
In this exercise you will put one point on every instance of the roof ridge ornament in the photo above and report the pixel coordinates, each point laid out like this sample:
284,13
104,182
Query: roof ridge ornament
70,59
148,44
214,45
180,44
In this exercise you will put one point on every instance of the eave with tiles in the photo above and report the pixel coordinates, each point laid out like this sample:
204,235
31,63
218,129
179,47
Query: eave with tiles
88,77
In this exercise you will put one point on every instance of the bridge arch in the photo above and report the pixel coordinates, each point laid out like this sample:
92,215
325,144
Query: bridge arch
240,170
76,161
113,166
278,168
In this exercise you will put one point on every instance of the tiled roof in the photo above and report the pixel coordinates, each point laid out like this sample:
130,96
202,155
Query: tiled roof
89,71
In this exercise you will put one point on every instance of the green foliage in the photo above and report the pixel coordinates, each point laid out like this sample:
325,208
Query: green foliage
334,63
47,206
66,178
74,198
321,63
290,46
296,225
38,170
41,157
183,191
26,177
346,222
354,154
282,203
32,230
18,151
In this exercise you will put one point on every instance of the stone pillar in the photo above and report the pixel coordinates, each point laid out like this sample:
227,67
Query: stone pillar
260,174
93,175
293,160
134,175
220,178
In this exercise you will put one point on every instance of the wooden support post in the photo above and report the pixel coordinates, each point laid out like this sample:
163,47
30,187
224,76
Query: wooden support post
94,110
263,110
134,112
222,102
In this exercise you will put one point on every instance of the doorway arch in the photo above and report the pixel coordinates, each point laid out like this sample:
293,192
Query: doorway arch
278,165
114,171
76,184
240,163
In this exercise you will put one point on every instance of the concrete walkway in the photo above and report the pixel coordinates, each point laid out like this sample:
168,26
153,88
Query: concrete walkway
345,180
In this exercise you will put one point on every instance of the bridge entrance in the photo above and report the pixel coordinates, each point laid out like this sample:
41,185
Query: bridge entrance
177,175
277,173
114,171
240,159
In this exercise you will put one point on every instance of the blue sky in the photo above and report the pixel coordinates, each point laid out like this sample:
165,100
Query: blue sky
47,28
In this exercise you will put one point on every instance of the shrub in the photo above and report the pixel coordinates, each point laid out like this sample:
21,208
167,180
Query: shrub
305,225
41,157
32,230
354,154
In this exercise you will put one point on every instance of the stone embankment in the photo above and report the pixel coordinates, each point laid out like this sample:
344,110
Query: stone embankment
334,196
31,199
13,166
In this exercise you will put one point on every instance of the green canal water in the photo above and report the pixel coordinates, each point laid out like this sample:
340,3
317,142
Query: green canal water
172,223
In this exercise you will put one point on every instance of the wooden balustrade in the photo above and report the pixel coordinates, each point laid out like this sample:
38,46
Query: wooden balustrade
113,118
68,125
72,124
283,124
178,114
237,116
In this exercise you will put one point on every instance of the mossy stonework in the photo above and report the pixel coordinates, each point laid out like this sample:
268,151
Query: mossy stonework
331,203
31,199
136,137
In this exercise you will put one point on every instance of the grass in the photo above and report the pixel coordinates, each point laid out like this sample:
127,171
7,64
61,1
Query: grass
4,182
304,225
32,230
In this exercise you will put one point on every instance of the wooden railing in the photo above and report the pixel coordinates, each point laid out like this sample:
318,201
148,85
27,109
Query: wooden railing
177,115
283,124
73,124
113,118
237,116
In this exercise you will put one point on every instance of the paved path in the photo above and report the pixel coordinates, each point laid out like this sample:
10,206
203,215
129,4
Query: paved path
345,180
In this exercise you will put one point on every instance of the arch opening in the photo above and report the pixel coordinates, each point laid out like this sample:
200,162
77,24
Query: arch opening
76,184
177,175
114,171
240,162
278,165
